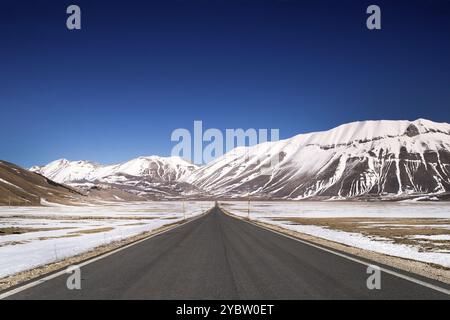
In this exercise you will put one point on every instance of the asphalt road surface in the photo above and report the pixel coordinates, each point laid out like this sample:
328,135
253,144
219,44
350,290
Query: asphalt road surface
220,257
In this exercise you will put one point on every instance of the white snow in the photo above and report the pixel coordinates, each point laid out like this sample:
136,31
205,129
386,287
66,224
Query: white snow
338,209
440,237
19,252
166,168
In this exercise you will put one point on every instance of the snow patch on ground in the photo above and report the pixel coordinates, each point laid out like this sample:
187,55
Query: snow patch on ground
331,209
440,237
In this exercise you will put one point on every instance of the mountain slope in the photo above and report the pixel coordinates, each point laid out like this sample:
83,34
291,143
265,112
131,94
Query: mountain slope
369,158
144,176
19,186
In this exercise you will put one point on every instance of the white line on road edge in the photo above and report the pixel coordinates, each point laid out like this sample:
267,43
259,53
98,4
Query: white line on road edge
63,272
391,272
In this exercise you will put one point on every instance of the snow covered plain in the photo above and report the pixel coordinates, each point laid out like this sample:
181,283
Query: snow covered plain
394,228
35,236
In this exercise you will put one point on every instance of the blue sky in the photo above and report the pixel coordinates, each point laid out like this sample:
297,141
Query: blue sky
140,69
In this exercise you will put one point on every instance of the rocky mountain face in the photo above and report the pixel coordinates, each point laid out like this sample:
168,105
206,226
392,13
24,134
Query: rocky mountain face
381,159
368,159
144,177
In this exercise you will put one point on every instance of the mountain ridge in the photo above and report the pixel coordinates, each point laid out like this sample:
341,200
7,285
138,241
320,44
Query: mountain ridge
320,164
364,159
150,177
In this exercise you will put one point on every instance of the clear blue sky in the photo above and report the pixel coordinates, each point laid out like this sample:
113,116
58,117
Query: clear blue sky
140,69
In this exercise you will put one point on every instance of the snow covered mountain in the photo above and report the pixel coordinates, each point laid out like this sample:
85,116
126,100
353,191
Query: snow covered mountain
158,168
143,176
367,159
361,159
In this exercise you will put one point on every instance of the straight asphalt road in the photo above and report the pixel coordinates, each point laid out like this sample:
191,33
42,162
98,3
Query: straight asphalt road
221,257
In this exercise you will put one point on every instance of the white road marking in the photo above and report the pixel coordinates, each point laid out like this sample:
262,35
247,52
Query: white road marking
63,272
391,272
